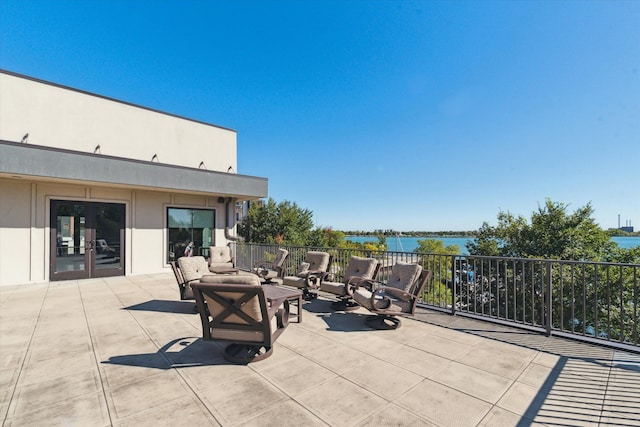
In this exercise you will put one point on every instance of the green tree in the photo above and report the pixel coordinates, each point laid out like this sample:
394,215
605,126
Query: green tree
552,233
584,294
435,246
326,237
437,292
280,223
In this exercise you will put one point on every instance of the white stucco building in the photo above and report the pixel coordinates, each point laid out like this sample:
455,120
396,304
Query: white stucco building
93,187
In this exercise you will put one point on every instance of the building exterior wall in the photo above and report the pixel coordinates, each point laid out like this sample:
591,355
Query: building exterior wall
25,237
87,148
58,117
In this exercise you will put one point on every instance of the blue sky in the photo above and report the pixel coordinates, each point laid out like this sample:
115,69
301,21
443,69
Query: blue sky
409,115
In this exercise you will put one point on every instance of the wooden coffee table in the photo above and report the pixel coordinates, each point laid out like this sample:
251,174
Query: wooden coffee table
272,292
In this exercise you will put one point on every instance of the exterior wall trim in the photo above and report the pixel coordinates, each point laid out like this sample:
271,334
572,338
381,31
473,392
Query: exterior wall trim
47,162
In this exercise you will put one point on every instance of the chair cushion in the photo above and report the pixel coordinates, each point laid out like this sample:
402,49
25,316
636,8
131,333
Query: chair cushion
303,269
295,281
404,276
363,297
317,260
220,264
219,254
267,274
193,268
360,267
251,307
231,279
336,288
280,257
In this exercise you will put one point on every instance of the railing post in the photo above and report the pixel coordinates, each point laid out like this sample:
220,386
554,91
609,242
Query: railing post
453,285
548,300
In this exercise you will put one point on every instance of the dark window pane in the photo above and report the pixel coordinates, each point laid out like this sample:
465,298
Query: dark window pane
189,225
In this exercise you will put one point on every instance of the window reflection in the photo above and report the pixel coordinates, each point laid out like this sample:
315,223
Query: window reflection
189,225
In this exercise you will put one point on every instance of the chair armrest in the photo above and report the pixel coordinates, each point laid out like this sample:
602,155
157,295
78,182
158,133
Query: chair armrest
356,282
399,294
314,277
369,284
328,277
380,301
262,263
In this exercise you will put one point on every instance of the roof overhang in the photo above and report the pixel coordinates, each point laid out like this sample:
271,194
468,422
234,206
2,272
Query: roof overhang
54,164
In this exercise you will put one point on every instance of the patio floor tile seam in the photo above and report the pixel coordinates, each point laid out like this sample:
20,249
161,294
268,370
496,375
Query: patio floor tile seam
458,360
547,397
401,401
603,403
194,391
266,378
105,388
24,355
268,409
185,381
147,411
314,361
424,420
64,388
342,376
57,404
115,419
96,354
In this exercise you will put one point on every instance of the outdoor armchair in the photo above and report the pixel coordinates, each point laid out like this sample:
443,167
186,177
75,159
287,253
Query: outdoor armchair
358,270
235,309
220,257
192,269
185,291
310,273
398,297
275,269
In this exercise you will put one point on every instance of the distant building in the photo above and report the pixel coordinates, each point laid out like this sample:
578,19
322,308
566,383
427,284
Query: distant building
93,187
628,229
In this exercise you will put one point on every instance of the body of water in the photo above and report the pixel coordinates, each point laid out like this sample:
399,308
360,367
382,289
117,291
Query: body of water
408,244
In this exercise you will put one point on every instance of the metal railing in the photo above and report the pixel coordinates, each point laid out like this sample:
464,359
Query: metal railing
590,301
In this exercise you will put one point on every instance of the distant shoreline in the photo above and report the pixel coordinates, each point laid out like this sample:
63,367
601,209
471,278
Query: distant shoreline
405,243
413,234
468,234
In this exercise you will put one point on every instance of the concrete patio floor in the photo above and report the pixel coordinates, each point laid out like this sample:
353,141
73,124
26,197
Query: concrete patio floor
125,351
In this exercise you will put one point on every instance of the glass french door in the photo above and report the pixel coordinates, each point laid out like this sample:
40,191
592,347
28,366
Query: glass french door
87,239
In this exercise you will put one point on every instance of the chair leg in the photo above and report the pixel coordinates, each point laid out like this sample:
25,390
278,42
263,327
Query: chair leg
245,353
382,321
